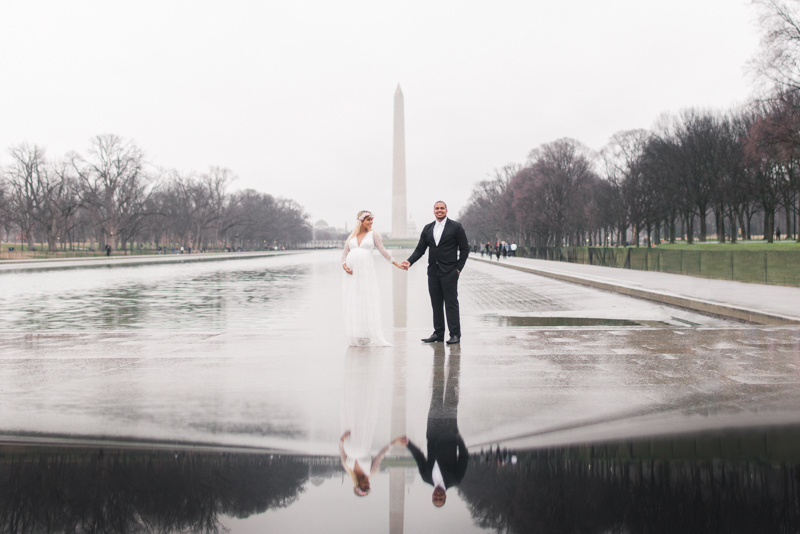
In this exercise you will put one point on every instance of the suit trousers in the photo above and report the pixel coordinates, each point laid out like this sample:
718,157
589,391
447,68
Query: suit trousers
443,289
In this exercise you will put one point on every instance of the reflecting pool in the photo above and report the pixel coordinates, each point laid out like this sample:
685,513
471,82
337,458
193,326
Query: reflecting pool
727,481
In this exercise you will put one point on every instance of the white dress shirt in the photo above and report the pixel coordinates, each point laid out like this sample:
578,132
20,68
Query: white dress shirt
438,230
436,475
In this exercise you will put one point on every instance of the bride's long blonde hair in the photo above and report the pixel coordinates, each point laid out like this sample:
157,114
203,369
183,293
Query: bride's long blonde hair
357,227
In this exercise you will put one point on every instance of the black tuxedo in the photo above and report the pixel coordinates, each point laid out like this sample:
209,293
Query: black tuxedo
444,256
445,444
445,263
450,452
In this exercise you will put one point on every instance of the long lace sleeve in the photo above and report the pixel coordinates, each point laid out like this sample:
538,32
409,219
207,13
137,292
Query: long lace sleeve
379,245
346,251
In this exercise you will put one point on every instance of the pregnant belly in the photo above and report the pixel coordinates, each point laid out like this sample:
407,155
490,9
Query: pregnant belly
356,256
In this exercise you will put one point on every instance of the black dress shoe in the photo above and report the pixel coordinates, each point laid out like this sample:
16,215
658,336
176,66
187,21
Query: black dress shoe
433,339
453,340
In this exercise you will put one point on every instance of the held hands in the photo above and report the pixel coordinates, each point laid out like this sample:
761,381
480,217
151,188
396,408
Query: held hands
400,265
405,265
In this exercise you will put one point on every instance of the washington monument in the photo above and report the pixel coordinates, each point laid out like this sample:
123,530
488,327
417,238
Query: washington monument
399,215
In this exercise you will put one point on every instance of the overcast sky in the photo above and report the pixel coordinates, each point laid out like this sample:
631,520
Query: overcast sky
296,97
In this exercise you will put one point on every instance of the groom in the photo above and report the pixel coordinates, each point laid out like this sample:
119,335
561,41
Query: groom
445,238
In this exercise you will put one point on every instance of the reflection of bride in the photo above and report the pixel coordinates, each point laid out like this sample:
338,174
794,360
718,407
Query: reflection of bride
360,294
359,417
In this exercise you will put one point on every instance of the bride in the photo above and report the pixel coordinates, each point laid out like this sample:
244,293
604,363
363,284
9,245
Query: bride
362,313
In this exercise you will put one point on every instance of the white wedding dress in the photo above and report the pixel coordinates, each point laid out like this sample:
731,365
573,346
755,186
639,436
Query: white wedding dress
360,294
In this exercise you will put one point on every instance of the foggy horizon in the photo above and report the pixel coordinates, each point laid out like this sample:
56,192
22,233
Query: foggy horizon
297,100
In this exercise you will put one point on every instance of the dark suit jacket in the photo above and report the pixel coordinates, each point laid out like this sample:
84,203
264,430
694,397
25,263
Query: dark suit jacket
452,456
444,257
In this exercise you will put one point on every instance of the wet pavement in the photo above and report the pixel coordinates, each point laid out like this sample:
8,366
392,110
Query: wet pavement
238,366
766,304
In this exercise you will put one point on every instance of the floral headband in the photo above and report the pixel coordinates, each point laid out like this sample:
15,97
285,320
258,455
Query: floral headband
364,216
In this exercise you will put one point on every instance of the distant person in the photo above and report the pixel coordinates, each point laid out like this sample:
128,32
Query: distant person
514,249
108,249
497,250
504,250
777,234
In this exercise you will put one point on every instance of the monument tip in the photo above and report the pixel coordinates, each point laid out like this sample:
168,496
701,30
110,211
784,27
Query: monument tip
398,90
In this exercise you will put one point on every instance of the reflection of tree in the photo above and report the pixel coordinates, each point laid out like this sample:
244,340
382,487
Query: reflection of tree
614,489
203,299
122,492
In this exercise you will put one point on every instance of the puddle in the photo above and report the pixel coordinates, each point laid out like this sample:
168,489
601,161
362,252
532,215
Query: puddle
726,481
505,320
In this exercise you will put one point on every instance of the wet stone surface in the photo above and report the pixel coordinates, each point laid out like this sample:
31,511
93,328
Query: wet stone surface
249,357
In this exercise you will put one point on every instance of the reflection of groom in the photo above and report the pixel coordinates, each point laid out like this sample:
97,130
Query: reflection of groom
445,238
447,455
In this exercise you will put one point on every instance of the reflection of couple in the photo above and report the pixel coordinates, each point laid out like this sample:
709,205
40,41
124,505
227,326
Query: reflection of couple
448,250
447,457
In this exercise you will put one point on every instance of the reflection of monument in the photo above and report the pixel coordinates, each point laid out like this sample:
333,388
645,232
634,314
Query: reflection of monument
397,475
399,220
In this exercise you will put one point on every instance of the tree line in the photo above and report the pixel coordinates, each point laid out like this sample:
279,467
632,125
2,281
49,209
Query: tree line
111,195
694,172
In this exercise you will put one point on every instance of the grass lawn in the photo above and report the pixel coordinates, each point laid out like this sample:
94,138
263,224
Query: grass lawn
401,243
739,245
754,262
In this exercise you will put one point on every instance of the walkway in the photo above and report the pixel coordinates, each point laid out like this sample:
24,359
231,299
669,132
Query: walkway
754,303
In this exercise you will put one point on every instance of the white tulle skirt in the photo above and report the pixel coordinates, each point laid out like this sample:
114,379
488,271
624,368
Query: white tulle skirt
362,302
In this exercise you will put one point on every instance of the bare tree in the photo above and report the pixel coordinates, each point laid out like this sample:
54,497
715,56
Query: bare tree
485,210
565,168
115,186
528,207
620,159
28,178
5,207
773,160
778,60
